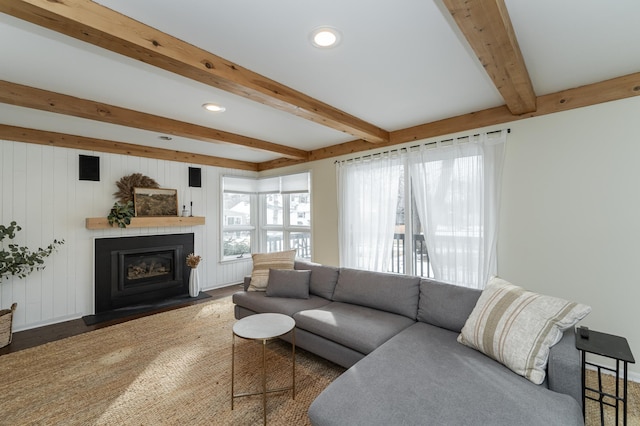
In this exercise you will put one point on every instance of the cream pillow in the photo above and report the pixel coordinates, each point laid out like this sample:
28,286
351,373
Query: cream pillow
517,327
262,262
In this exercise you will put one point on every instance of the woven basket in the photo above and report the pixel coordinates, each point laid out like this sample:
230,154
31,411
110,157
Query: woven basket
6,319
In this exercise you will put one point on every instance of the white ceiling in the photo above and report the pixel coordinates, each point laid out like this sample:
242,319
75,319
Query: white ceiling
399,64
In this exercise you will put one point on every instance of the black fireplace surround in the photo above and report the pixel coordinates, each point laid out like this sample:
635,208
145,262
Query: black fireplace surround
136,270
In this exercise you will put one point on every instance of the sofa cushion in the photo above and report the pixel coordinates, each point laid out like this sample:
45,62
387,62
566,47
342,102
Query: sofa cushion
357,327
517,327
323,278
423,376
262,262
388,292
257,301
288,283
446,305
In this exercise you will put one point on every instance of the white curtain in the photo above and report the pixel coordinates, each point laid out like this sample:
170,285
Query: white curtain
367,201
456,186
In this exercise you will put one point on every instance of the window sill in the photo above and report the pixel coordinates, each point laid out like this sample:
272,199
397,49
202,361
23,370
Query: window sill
236,259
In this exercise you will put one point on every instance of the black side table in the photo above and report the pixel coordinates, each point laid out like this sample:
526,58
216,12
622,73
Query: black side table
610,346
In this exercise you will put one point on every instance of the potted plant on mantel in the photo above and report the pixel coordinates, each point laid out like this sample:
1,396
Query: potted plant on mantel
121,214
17,261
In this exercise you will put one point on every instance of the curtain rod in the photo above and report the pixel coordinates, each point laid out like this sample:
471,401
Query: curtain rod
415,146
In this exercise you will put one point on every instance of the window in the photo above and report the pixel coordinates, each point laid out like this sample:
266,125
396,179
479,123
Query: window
439,201
234,220
409,253
266,215
287,223
238,230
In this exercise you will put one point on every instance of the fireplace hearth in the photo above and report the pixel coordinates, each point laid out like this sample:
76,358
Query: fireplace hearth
131,271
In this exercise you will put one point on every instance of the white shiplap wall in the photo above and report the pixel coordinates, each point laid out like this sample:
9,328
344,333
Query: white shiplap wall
40,190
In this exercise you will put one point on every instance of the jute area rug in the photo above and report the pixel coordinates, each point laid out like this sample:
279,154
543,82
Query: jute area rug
593,415
173,368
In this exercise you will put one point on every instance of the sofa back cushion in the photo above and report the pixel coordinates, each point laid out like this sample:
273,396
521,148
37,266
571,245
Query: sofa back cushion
388,292
446,305
288,283
323,278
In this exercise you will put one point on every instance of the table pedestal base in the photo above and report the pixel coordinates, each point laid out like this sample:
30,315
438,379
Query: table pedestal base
264,391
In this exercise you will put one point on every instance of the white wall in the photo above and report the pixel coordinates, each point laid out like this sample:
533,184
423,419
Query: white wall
570,216
40,190
571,212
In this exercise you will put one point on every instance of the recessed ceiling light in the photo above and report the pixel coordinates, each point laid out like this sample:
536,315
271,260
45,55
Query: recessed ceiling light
213,107
325,37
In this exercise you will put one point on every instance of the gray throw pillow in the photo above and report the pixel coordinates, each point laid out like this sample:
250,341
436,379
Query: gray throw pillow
262,262
288,283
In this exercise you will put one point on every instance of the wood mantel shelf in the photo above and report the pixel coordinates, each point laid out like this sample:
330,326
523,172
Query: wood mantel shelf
147,222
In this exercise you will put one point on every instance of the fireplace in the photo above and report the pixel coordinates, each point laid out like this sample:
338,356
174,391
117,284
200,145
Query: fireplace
137,270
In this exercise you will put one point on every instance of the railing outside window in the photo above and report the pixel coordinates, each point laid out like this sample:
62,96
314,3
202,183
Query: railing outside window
300,241
420,256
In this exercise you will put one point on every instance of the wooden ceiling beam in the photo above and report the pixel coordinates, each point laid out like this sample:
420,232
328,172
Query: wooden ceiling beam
487,27
592,94
605,91
278,163
40,137
29,97
103,27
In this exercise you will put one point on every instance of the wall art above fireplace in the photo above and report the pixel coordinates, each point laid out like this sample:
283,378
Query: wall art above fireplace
155,201
136,270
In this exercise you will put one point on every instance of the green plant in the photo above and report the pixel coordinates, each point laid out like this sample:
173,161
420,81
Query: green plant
19,260
121,214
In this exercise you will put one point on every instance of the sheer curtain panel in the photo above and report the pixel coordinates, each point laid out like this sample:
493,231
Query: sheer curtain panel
456,185
367,201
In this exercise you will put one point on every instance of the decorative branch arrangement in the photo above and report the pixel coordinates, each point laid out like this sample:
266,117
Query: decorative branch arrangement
127,183
19,260
193,260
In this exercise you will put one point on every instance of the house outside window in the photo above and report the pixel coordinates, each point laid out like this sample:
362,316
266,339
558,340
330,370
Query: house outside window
266,215
238,230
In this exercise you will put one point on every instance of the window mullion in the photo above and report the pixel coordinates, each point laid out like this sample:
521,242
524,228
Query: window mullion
256,214
408,225
286,212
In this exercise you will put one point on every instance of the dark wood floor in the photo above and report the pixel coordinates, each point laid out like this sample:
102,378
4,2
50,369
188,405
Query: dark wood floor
38,336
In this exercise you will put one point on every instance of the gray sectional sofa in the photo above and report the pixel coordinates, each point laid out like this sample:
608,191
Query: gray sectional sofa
397,334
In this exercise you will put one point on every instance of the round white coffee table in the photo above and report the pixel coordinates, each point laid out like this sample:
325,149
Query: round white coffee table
264,327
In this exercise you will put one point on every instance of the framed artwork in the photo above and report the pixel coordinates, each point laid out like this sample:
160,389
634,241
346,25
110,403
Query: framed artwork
155,202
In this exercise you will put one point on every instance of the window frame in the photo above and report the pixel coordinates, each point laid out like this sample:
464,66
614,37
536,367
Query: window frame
258,226
286,227
251,227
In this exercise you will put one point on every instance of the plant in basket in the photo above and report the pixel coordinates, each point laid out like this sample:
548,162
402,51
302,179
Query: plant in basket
20,261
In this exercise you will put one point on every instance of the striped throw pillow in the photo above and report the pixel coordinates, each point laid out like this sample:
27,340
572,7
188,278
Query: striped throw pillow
517,327
262,262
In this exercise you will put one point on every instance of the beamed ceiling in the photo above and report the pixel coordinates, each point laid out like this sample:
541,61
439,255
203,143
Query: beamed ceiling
124,76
